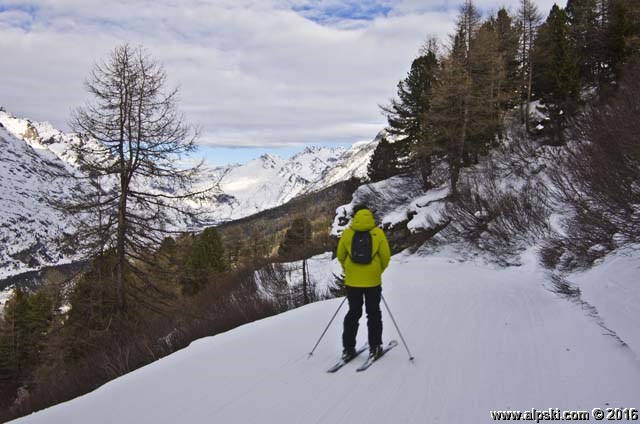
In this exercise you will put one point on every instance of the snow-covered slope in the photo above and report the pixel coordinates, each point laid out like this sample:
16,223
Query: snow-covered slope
29,226
35,151
485,339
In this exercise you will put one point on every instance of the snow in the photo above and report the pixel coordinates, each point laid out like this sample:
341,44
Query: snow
322,271
5,295
613,289
270,181
36,151
485,338
28,224
396,201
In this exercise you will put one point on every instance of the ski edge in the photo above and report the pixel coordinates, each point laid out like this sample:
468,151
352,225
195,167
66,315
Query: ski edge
370,361
342,363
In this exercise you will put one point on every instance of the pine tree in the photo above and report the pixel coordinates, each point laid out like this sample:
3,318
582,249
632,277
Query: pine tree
206,257
558,79
297,239
621,36
406,115
585,34
384,162
23,331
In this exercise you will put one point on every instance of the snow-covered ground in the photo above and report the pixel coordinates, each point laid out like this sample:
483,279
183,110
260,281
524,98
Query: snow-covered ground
322,271
484,338
613,289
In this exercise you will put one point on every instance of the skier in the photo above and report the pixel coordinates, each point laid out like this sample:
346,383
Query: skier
364,253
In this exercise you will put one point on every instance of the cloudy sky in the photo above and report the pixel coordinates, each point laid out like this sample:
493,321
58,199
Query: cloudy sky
255,75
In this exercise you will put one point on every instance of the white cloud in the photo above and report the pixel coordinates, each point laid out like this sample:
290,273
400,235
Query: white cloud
251,73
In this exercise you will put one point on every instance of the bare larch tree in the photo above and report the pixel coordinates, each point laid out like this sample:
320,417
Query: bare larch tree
132,140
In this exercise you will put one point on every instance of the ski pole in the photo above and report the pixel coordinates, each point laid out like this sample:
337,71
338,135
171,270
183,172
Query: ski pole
397,328
328,325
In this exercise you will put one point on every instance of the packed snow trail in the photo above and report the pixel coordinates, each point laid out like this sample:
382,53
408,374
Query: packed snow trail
484,339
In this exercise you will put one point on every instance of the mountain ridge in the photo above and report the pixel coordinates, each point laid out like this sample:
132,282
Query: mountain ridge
242,189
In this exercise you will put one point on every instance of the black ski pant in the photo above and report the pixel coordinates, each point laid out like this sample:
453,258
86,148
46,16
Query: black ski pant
355,296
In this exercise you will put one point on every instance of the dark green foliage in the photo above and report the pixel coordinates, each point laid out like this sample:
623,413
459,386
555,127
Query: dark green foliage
207,253
167,248
206,257
622,35
406,114
297,239
605,35
384,161
585,28
557,81
94,308
23,331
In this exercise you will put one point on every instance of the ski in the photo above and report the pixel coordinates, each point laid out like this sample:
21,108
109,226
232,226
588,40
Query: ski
370,360
341,363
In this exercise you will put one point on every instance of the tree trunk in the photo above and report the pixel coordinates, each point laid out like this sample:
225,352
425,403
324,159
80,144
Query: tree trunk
454,167
529,83
425,171
120,251
305,285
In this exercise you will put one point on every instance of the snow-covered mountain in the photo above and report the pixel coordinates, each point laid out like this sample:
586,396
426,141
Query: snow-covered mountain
484,339
271,181
35,155
30,168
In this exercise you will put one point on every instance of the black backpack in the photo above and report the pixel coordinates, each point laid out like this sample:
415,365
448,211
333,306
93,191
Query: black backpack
361,247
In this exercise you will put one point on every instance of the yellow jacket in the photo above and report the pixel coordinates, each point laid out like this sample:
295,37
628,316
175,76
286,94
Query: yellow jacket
364,275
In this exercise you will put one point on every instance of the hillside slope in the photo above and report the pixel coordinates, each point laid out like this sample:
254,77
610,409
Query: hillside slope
35,152
484,339
29,226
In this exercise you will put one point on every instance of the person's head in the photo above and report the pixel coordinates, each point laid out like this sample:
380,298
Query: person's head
361,206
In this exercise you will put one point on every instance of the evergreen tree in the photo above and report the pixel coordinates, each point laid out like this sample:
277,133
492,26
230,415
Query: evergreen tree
207,257
557,80
406,115
585,34
23,331
384,162
94,302
621,36
297,239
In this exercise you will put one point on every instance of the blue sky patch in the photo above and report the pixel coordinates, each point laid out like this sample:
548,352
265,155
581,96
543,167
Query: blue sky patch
328,13
28,9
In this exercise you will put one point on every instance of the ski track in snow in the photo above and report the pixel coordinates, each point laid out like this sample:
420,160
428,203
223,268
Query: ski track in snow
484,339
